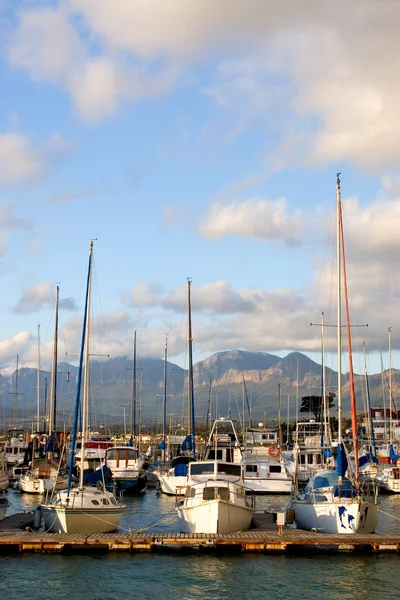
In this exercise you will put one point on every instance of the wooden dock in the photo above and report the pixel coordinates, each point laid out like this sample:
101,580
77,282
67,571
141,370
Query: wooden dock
248,541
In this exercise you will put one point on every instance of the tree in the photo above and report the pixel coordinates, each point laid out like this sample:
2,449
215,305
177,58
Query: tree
314,404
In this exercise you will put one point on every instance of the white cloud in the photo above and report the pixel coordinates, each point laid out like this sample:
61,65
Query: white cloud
23,162
42,294
257,217
9,223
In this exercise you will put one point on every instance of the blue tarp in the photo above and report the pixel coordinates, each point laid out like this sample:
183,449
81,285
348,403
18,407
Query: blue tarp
392,453
180,470
97,475
341,461
187,443
49,446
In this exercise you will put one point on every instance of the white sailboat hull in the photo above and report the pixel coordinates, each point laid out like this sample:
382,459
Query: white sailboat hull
170,484
215,516
68,520
268,486
336,517
90,510
36,485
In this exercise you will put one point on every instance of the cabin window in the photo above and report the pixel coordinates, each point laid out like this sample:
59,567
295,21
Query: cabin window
95,502
275,469
201,468
302,459
310,459
213,493
215,455
105,502
229,469
251,468
131,454
112,454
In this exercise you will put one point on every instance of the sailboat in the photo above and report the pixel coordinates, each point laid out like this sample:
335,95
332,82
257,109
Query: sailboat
173,477
15,448
330,502
83,509
44,474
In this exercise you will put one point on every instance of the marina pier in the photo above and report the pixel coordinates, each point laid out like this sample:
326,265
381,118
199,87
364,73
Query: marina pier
293,541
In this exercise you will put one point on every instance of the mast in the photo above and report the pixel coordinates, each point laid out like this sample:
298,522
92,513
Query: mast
85,405
190,378
165,400
78,387
38,384
339,311
351,372
133,402
390,389
15,395
53,384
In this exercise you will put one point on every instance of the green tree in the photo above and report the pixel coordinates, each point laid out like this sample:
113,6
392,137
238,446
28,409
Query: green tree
314,405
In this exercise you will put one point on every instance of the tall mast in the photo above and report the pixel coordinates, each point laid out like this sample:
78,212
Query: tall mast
78,387
390,389
339,310
15,395
349,346
190,378
53,384
38,383
324,398
133,402
85,406
165,401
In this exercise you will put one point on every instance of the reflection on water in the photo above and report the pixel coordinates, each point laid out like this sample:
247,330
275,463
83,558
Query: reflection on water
196,575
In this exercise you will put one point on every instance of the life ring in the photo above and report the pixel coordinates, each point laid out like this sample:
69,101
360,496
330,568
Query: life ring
43,439
274,451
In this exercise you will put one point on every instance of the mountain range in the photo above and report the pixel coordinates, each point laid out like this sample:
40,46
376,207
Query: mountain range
227,381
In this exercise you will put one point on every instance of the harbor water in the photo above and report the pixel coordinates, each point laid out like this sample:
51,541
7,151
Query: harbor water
191,575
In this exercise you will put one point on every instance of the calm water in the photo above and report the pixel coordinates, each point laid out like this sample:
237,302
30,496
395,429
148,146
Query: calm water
193,575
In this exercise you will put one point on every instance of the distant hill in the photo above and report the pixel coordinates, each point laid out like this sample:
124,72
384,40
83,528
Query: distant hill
111,387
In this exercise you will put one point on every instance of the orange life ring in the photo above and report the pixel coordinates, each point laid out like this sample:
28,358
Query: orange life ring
274,451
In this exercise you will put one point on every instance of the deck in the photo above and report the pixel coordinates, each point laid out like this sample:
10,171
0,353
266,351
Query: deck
12,542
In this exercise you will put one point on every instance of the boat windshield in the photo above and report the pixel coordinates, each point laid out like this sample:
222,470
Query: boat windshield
202,468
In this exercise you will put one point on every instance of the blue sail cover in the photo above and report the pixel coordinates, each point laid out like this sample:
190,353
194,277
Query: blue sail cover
130,443
327,452
161,446
97,475
392,453
341,461
187,443
49,447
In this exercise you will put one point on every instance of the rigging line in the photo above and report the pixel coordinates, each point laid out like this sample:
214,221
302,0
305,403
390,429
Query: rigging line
156,520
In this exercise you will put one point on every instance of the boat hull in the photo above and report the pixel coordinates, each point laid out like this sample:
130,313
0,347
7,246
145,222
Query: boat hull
336,517
171,484
215,516
268,486
59,519
128,485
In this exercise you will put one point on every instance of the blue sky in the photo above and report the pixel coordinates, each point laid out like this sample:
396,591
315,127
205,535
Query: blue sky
202,140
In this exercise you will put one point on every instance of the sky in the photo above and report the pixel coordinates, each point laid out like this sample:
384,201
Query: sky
198,139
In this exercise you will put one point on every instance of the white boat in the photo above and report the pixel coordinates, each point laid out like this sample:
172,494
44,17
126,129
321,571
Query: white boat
174,478
127,468
388,479
4,504
42,477
215,500
332,507
83,509
14,451
266,474
4,479
330,503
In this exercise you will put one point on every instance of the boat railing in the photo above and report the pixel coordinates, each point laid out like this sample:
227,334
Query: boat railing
215,490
